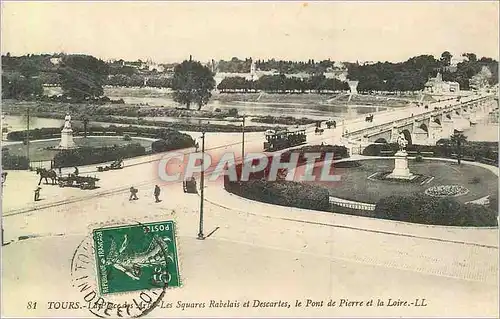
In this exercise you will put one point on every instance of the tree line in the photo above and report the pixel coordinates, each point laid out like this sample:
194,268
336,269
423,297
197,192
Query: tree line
236,65
411,75
282,84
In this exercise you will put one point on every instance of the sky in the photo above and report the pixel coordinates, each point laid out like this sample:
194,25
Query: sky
170,32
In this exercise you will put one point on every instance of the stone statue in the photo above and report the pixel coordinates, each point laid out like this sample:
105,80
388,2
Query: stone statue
402,142
67,122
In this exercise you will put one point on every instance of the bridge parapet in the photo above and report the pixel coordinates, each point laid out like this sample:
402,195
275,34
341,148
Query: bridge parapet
360,133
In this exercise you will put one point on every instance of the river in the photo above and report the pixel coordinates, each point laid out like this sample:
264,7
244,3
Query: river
163,98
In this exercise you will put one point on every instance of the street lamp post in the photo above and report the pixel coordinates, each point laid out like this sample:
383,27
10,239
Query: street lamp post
28,135
243,142
202,186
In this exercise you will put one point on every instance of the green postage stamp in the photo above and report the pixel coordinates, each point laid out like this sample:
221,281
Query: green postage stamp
136,257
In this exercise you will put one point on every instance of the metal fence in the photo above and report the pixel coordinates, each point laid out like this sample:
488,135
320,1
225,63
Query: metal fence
47,164
352,205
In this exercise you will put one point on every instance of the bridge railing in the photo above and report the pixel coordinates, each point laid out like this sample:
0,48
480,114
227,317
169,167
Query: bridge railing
405,121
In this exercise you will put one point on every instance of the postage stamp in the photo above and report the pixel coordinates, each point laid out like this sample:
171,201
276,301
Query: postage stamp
125,270
131,257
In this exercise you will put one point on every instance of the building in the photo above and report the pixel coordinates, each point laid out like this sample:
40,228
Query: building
437,85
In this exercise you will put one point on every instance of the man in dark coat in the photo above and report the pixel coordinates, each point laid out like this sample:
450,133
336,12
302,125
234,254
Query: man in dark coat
133,193
157,193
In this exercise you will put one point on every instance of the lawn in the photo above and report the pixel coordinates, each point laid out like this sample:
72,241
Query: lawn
39,151
356,186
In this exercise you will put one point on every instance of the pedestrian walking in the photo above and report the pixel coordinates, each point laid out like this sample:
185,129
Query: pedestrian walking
133,193
76,171
157,194
60,171
4,177
37,194
197,146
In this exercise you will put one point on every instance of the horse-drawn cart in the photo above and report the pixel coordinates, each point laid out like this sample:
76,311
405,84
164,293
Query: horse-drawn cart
83,182
118,164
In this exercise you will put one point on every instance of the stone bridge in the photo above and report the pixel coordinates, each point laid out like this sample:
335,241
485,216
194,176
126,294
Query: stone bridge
426,125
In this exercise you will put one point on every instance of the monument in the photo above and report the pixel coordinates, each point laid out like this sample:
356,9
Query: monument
401,170
353,87
67,134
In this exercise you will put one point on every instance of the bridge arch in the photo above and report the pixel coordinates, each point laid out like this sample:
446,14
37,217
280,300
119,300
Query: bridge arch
381,140
438,121
407,135
448,116
424,127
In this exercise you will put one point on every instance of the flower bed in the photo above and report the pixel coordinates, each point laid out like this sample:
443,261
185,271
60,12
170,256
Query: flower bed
446,191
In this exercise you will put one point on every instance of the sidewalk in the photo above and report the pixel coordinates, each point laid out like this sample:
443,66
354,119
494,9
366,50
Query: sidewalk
486,237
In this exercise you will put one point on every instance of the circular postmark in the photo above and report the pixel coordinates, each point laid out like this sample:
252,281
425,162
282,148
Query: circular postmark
124,270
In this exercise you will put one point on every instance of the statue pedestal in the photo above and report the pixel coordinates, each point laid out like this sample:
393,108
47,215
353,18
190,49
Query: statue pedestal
401,170
67,139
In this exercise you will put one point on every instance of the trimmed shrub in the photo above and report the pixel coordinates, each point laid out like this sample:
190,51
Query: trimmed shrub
14,162
419,158
435,211
485,152
172,140
93,155
127,137
232,112
284,193
36,134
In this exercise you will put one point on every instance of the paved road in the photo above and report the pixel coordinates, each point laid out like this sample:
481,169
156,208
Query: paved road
253,253
256,254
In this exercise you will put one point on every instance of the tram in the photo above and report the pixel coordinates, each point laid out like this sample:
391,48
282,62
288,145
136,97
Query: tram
278,140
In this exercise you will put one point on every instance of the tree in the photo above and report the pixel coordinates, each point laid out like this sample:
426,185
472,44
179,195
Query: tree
471,57
192,83
82,76
458,138
85,124
19,87
29,69
446,58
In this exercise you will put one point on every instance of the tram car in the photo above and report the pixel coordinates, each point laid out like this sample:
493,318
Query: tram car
278,140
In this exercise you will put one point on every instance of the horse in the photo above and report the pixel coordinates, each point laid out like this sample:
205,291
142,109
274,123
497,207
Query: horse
319,131
369,118
44,173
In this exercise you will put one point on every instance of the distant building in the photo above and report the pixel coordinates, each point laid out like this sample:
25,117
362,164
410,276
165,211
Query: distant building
338,71
55,61
480,81
437,85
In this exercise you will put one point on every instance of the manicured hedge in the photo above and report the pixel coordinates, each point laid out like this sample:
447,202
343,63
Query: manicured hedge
36,134
338,152
283,120
94,155
172,140
479,151
284,193
54,132
435,211
13,161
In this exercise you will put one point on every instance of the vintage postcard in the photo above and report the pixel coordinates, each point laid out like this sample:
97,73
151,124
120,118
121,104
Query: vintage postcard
249,159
